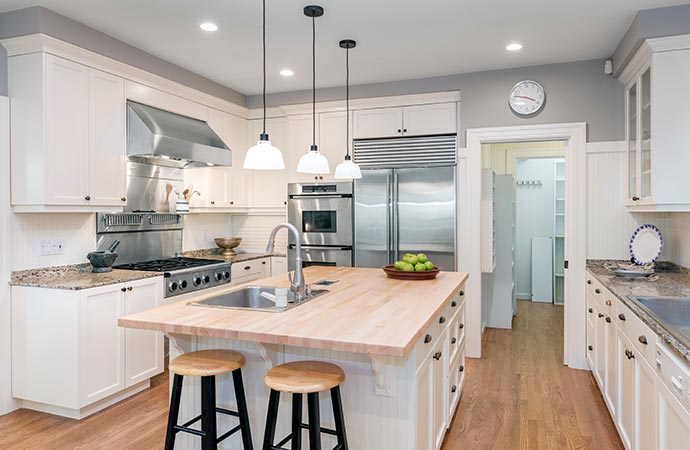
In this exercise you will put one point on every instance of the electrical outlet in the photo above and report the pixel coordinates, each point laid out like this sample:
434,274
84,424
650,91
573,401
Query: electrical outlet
51,247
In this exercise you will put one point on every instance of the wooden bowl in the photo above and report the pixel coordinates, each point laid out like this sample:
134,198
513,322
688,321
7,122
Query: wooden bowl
228,244
394,273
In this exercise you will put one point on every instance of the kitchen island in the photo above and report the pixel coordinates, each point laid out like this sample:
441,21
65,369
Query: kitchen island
400,343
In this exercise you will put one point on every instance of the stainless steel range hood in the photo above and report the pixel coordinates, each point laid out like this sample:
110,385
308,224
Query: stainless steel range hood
163,138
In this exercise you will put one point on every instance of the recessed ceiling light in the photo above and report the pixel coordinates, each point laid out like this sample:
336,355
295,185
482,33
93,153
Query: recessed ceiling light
515,46
208,26
287,72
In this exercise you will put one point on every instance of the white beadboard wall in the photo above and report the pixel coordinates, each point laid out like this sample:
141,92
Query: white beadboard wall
200,230
675,229
255,230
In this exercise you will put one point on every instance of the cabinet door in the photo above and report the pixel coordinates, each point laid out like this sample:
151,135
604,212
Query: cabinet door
625,414
269,187
67,132
143,348
674,421
600,348
107,141
333,143
439,356
299,140
646,412
230,185
278,265
102,343
646,134
438,118
591,333
425,404
378,122
611,377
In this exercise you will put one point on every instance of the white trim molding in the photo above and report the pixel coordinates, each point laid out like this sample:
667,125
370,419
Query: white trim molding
575,228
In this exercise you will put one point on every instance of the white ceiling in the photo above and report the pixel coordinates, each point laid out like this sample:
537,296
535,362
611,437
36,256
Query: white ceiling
397,39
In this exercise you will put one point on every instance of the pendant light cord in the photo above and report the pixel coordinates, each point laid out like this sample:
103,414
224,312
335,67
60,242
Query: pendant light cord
347,102
264,62
313,78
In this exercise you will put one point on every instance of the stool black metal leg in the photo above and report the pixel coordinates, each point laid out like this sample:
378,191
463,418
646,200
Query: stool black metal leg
208,411
242,409
174,411
314,421
271,419
339,418
296,422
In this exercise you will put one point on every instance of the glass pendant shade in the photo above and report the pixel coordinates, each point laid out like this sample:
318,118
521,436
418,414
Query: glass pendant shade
313,162
264,156
347,170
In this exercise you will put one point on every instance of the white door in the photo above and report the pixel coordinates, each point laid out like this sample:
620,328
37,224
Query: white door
67,134
674,421
102,343
143,348
439,357
625,416
269,187
107,139
377,122
437,118
333,142
645,437
611,378
299,140
425,402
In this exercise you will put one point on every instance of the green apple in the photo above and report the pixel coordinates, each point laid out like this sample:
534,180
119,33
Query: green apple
407,267
398,265
420,267
429,265
412,259
422,258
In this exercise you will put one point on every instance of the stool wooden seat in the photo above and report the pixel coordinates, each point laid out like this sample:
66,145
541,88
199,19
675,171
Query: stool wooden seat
304,377
207,364
311,378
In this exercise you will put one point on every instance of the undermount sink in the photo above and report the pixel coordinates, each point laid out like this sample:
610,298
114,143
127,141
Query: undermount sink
250,298
672,312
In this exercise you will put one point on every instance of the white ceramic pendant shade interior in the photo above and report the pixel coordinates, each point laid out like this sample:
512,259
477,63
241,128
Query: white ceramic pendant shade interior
313,162
264,156
347,170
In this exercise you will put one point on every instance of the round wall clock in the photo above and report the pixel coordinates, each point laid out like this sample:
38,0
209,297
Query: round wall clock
527,98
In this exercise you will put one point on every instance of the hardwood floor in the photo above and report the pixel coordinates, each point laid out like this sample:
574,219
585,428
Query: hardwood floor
518,397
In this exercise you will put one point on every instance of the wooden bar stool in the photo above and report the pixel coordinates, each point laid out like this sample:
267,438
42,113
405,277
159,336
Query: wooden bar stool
207,364
298,378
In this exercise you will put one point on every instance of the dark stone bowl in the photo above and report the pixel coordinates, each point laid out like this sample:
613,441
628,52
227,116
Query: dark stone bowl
102,261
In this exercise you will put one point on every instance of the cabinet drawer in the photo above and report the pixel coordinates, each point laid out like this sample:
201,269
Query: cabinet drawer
454,387
456,332
426,342
637,332
250,270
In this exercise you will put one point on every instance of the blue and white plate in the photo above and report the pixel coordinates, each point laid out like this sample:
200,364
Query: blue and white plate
646,244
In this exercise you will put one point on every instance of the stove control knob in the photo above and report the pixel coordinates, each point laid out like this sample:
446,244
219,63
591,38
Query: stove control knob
226,275
173,286
207,279
183,284
219,276
197,281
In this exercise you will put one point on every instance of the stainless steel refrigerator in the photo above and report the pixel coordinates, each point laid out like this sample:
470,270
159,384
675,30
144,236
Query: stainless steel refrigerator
405,210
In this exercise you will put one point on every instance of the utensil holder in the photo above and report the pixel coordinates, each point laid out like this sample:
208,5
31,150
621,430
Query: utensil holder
182,207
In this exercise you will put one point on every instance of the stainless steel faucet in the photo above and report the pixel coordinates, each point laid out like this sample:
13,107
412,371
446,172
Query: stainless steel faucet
297,285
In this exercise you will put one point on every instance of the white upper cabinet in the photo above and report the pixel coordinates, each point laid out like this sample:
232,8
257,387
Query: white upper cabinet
657,129
68,135
417,120
333,143
300,135
269,187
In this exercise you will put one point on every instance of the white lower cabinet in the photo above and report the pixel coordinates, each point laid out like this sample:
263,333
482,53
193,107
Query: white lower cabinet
425,404
630,364
70,357
439,360
244,271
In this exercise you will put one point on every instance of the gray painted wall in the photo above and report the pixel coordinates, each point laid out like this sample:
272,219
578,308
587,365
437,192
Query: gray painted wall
3,71
651,23
575,92
40,20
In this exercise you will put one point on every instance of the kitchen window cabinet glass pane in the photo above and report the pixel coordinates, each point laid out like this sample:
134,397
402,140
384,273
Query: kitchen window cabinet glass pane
646,135
632,141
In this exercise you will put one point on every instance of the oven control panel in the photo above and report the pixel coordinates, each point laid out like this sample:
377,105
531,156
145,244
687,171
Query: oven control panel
185,281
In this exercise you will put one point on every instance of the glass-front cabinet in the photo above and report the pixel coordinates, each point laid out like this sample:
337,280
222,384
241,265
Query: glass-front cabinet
638,132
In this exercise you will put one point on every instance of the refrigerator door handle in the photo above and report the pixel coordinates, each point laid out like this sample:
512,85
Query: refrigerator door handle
389,214
395,224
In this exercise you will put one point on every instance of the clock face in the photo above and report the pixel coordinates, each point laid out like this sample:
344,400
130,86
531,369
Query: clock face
527,97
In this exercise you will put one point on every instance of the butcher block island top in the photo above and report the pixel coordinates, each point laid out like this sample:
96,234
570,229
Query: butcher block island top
364,312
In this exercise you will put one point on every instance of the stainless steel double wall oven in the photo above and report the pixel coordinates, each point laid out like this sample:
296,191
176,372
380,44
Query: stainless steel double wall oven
323,215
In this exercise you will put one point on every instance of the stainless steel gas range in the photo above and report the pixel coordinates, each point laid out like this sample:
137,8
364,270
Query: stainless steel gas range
152,242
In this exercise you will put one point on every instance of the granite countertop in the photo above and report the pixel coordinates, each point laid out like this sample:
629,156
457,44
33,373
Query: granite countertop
673,281
75,277
215,253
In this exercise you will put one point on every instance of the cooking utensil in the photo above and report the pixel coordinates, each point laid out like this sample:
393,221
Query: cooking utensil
184,194
102,262
168,190
228,244
189,197
113,246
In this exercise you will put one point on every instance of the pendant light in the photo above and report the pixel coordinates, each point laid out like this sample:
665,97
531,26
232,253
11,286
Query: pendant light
264,156
313,161
347,170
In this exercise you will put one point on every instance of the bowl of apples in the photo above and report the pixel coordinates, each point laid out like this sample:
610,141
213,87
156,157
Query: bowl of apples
412,267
